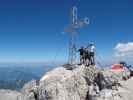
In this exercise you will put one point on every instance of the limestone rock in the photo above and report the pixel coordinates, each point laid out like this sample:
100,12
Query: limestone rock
9,95
62,84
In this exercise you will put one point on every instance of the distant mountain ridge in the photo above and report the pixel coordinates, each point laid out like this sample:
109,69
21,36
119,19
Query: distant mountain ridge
14,78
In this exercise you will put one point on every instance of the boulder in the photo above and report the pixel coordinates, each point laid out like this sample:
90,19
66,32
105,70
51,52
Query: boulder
63,84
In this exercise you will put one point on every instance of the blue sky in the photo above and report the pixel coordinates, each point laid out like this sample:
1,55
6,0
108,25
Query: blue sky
31,30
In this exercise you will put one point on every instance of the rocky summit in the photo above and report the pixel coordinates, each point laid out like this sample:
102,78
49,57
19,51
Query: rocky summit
62,84
78,83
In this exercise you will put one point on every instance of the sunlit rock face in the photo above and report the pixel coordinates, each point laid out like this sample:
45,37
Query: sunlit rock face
63,84
9,95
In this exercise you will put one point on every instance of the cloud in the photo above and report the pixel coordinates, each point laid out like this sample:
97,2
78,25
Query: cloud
124,50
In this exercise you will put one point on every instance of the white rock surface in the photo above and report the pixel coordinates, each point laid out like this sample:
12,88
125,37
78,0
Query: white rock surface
9,95
62,84
124,92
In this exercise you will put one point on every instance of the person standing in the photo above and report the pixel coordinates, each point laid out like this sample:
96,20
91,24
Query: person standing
82,55
87,57
92,50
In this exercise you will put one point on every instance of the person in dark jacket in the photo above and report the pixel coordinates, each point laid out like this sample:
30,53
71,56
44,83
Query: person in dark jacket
87,57
82,55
